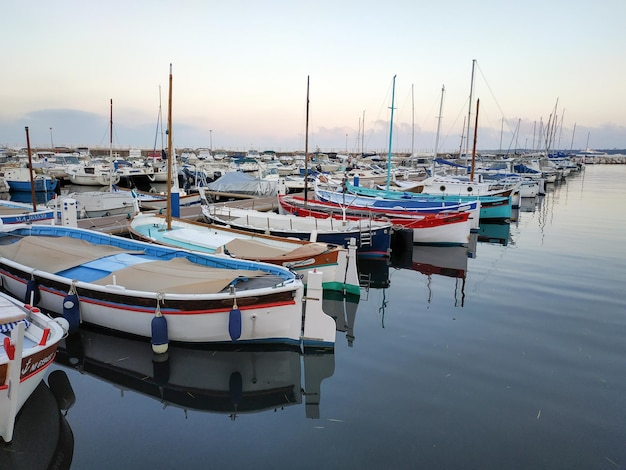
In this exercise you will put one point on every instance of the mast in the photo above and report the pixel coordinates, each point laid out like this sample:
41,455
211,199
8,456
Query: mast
30,172
443,91
363,136
413,120
393,93
111,131
306,144
571,147
170,156
111,144
474,146
469,111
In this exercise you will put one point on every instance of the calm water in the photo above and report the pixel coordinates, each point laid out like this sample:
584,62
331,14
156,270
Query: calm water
514,358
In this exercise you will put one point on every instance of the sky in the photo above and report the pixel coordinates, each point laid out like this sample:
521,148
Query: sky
240,71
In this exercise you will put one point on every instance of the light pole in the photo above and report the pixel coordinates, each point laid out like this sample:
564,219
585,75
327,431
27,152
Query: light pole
346,144
51,141
211,138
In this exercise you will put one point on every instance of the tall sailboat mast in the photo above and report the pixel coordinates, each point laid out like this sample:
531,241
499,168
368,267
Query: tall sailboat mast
111,131
393,95
474,145
170,155
413,120
443,91
111,144
469,111
306,144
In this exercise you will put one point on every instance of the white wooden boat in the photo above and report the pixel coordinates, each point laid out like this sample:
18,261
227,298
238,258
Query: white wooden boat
373,238
158,292
100,203
29,344
441,228
337,264
12,212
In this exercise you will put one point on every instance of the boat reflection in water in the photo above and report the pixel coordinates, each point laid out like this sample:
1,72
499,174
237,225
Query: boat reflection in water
41,197
374,272
530,204
342,307
217,380
445,261
495,233
42,437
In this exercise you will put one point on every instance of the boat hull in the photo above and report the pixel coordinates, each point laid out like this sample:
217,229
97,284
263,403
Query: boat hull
373,239
337,264
431,229
269,298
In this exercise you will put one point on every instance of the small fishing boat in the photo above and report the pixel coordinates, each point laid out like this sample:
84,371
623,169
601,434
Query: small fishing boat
491,207
337,264
100,203
19,179
441,228
12,212
29,344
227,382
160,292
42,436
156,201
373,238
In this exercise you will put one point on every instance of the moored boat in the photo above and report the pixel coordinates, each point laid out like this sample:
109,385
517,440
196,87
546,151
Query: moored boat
373,238
158,292
29,346
441,228
337,264
19,179
12,212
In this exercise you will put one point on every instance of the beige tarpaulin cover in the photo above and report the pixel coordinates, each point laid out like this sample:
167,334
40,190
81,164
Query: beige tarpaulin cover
254,250
56,254
178,276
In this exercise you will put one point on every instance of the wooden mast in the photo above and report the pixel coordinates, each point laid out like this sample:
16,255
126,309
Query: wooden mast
170,156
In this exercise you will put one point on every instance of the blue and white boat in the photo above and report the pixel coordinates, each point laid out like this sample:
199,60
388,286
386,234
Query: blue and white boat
491,207
336,263
12,212
19,179
158,292
373,238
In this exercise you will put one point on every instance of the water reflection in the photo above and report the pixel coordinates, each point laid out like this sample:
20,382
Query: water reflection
445,261
495,233
42,437
217,381
42,197
343,309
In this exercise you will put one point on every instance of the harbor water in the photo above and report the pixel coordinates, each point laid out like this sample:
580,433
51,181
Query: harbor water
510,354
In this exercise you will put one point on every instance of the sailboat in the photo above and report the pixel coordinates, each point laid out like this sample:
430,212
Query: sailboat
102,203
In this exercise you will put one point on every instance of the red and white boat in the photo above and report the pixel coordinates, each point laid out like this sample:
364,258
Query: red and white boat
29,344
444,228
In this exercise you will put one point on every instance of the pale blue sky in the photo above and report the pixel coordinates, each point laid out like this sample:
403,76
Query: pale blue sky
240,72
